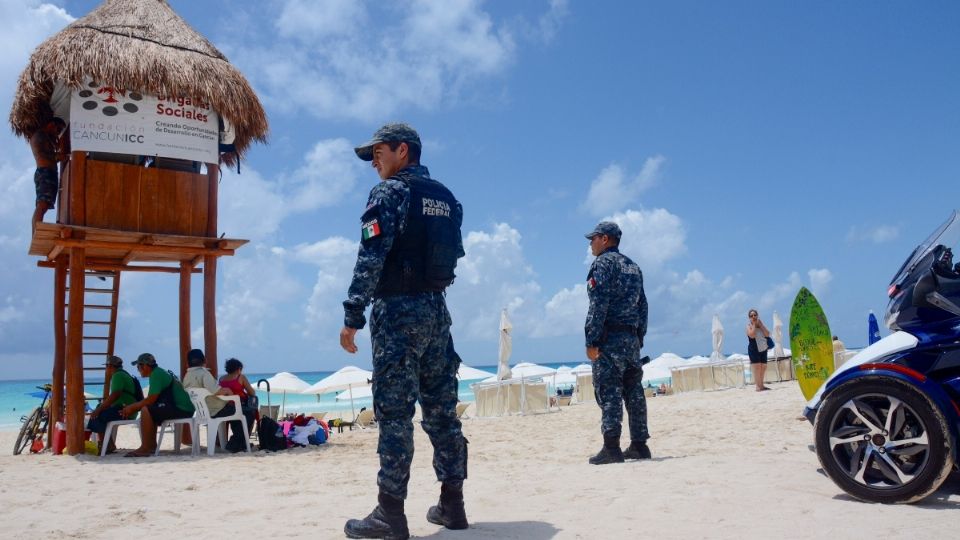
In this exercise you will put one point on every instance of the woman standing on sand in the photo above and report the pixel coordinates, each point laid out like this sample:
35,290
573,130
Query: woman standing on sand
757,335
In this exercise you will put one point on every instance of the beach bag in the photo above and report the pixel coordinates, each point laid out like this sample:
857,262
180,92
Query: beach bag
252,405
271,435
769,343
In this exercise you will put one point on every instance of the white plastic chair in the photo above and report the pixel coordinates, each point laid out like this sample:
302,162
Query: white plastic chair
217,426
110,432
172,424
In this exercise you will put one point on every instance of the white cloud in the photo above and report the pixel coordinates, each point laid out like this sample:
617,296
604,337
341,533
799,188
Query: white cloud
612,190
564,313
820,278
26,24
650,237
334,258
876,235
329,173
245,195
315,19
255,284
493,275
341,60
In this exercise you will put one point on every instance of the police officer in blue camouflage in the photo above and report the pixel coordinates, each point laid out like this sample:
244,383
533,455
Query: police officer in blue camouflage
410,243
616,324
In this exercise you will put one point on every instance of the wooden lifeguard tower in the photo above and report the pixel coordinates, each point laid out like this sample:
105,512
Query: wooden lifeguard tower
133,198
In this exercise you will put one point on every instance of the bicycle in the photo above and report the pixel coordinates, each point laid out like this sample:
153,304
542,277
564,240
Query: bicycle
34,425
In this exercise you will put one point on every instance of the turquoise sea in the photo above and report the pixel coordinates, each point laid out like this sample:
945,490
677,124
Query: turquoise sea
15,400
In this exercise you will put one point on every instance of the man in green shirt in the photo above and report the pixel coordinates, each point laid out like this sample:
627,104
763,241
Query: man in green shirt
123,392
167,400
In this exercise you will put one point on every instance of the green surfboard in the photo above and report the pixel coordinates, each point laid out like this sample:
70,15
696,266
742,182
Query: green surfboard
810,343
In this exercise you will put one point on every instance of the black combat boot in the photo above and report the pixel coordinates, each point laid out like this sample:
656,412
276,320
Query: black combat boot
386,521
610,453
637,450
449,512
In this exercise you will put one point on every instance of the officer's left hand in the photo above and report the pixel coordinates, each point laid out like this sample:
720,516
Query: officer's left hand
593,353
346,339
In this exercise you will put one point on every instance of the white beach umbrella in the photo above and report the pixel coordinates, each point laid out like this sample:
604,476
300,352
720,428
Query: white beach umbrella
566,378
667,360
655,372
506,346
716,331
526,370
284,382
698,359
582,369
778,336
345,378
467,373
361,392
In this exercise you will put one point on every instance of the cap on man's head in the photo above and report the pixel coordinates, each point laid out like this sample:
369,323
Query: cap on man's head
388,133
114,361
608,228
146,359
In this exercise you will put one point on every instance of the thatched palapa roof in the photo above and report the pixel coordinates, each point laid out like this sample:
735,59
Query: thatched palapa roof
138,45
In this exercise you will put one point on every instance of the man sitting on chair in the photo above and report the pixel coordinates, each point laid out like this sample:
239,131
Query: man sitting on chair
198,376
167,400
123,392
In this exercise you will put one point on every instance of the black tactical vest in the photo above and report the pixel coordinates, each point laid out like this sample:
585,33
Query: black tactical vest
424,256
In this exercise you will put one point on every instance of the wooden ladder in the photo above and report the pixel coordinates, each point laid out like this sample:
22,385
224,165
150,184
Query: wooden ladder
99,317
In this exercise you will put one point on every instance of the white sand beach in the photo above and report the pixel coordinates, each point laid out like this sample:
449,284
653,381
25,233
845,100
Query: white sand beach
727,464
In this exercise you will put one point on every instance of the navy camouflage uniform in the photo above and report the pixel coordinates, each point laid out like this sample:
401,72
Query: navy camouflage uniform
616,324
413,353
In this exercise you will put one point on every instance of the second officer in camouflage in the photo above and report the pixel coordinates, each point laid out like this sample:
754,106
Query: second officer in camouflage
615,327
410,244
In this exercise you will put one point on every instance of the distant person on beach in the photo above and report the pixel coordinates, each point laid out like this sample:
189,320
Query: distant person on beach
44,143
838,349
615,327
757,335
166,400
410,243
238,383
123,392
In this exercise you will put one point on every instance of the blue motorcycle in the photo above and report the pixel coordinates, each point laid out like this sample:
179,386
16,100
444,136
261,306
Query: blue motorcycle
886,422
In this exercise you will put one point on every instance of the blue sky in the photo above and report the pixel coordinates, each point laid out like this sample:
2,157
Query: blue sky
746,148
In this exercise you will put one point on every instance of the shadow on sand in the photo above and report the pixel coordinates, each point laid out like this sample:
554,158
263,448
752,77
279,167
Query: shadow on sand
527,530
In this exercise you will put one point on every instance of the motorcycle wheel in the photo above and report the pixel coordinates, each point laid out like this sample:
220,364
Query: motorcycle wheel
882,440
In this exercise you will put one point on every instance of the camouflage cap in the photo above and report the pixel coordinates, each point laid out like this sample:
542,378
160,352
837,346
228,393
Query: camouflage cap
114,361
608,228
145,358
388,133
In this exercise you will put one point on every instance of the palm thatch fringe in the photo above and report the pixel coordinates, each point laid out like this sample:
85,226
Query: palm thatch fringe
138,45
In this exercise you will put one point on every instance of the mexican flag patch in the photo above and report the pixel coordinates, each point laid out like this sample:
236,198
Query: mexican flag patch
370,229
591,283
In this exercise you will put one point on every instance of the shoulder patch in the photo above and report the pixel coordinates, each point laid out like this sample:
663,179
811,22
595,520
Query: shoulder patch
591,283
370,229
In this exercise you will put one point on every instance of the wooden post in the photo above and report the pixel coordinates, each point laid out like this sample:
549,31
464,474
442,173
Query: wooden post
210,275
210,312
185,274
74,356
59,343
77,191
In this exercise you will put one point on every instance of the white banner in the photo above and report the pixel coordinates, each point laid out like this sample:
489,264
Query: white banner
105,119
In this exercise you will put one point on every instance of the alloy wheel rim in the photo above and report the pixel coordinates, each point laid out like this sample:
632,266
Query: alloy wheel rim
879,441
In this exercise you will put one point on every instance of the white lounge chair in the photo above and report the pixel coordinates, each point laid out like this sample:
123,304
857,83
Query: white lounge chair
109,434
216,426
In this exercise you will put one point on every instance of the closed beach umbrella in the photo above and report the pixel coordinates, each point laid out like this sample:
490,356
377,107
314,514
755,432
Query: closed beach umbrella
284,382
716,330
506,346
467,373
873,329
778,351
346,378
